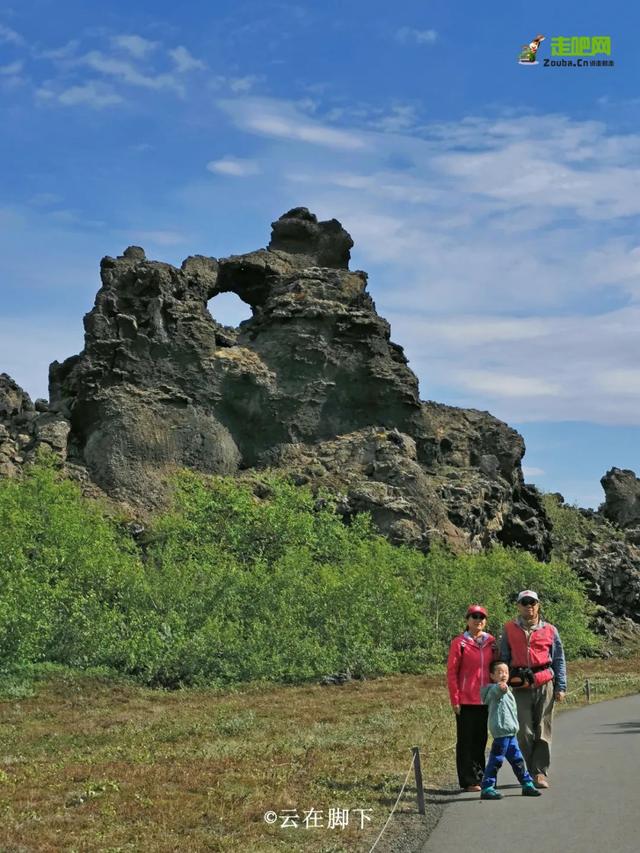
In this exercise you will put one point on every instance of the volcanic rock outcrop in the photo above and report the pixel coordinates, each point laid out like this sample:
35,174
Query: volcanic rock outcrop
24,426
622,501
607,558
311,384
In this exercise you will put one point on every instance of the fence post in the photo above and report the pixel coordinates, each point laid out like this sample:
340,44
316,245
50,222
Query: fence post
587,690
418,771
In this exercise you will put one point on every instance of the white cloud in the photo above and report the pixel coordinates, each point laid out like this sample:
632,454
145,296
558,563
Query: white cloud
92,94
401,118
135,45
242,85
620,381
477,331
44,199
496,384
9,36
532,471
582,367
184,61
127,72
12,69
60,54
410,34
281,120
234,166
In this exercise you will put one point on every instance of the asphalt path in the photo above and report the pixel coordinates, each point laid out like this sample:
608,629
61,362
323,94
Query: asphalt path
592,804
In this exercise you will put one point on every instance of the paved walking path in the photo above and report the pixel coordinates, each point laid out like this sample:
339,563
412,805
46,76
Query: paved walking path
593,803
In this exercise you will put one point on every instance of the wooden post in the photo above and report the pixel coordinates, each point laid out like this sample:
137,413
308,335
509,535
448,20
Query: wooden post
587,689
418,771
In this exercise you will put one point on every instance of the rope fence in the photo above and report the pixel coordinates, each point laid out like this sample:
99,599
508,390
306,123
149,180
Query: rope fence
411,767
587,690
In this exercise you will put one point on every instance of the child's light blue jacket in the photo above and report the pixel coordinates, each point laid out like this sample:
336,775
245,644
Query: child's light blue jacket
503,713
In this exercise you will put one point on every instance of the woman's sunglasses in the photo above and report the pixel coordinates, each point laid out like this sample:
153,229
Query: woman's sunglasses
477,616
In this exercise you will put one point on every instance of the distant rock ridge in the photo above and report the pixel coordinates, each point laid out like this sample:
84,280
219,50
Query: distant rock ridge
311,384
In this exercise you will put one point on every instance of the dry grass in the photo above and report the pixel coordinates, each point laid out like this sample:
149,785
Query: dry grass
94,764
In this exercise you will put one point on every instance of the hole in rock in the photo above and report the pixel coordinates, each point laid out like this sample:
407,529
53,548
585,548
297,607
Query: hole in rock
229,309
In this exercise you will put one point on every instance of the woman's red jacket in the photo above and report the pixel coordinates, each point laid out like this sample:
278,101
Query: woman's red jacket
468,668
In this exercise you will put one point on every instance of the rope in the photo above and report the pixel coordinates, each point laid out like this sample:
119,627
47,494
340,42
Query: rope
581,689
396,803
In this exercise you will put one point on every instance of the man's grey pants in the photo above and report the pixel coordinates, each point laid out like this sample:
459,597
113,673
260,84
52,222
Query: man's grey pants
535,715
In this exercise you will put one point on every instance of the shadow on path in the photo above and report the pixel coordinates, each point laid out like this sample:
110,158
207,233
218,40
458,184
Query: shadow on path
624,728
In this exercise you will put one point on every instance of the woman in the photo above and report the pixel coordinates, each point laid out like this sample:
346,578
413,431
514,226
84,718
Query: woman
533,650
467,670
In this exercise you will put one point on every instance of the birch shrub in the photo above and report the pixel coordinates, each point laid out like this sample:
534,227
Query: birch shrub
229,588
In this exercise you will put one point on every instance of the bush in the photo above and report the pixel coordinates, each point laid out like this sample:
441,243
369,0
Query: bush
71,587
233,588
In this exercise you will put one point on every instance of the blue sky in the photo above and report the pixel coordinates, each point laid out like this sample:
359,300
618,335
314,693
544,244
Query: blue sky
494,206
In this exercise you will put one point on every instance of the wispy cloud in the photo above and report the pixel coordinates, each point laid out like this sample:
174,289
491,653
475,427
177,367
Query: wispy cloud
282,120
92,94
242,85
570,367
532,471
67,51
620,380
497,384
235,166
492,257
411,34
184,61
129,73
137,46
9,36
117,64
12,69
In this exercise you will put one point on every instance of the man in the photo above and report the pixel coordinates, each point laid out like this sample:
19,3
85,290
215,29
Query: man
533,650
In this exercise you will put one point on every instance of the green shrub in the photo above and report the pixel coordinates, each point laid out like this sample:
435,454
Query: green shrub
231,588
71,586
571,529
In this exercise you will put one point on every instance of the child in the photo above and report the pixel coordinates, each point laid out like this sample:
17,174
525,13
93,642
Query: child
503,725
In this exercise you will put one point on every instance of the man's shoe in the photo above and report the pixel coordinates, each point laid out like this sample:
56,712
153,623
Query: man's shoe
529,790
490,794
473,789
541,781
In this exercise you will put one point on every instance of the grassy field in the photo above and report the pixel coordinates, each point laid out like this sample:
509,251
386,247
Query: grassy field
93,763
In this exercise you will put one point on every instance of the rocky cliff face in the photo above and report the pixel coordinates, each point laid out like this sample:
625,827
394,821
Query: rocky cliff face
311,384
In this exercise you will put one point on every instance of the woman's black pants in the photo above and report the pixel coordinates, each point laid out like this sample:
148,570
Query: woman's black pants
471,725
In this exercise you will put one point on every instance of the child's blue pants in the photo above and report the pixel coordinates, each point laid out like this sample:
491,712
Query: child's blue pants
505,747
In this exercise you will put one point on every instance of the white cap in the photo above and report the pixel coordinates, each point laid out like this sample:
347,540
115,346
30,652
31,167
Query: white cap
527,593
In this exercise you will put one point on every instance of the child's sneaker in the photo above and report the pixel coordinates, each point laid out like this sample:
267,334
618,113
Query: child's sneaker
491,794
530,790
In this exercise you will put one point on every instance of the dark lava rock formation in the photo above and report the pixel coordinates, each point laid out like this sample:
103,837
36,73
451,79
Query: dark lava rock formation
607,557
622,501
311,384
